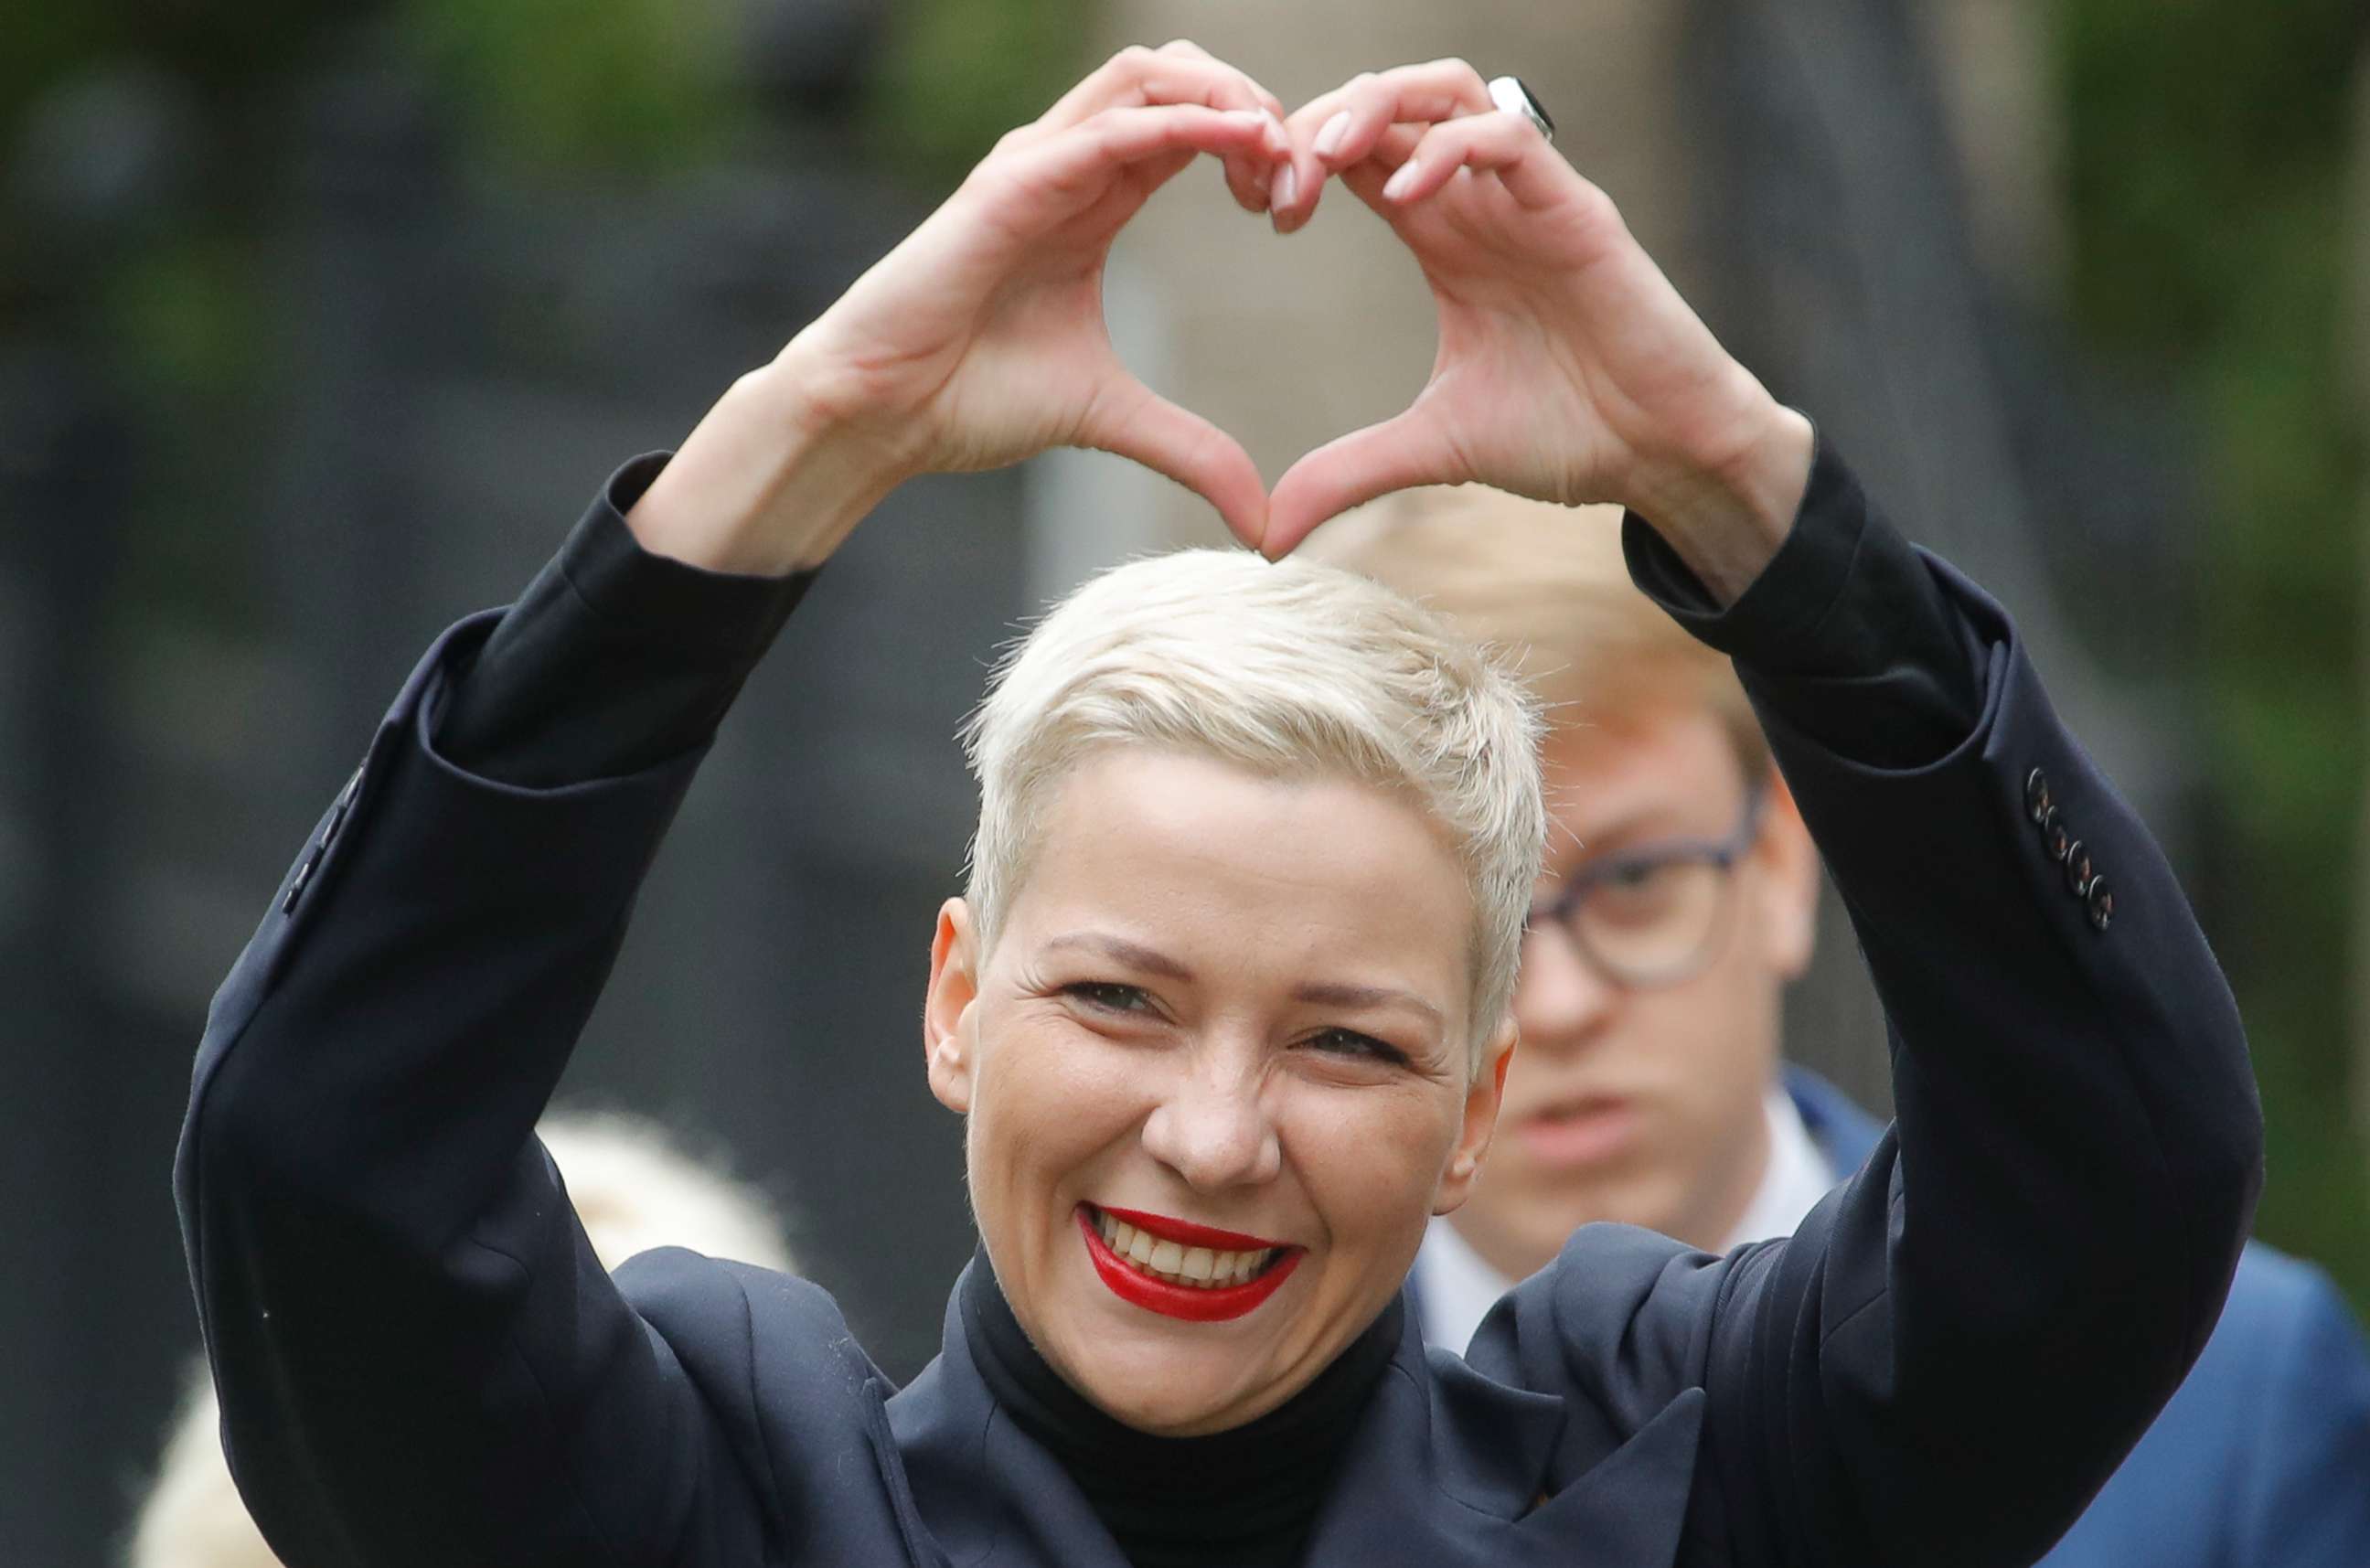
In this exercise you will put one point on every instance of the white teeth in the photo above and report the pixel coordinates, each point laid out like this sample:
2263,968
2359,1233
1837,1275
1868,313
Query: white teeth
1203,1267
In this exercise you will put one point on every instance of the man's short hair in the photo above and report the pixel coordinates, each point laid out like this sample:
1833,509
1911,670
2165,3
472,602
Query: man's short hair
1547,587
1289,670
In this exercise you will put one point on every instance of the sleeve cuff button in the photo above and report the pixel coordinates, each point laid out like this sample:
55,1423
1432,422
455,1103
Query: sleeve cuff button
304,876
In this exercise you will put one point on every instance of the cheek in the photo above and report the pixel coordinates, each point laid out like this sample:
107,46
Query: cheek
1047,1101
1717,1041
1371,1169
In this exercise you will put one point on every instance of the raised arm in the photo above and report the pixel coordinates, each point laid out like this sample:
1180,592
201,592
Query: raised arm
418,1357
1956,1349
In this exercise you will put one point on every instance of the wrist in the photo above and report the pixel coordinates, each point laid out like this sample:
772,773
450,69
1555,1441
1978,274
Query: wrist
1727,512
769,482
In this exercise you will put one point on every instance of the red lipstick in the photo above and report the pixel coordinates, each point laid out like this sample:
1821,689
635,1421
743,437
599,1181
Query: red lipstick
1185,1233
1192,1304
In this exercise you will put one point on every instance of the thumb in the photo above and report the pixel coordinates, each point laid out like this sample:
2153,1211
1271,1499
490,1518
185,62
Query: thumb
1135,422
1404,450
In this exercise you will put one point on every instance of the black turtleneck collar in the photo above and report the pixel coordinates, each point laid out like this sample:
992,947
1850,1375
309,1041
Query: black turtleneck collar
1246,1496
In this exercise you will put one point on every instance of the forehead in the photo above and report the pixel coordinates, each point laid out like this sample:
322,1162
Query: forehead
1640,768
1253,875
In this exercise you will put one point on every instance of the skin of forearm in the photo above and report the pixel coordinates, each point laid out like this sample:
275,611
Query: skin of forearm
768,483
1727,516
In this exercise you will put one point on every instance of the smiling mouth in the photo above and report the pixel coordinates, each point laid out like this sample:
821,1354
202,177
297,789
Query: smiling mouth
1182,1269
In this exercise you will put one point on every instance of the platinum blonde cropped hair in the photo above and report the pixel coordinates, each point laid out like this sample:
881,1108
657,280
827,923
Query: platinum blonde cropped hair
1291,671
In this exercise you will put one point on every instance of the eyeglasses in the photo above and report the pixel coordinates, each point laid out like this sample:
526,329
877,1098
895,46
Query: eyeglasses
1654,915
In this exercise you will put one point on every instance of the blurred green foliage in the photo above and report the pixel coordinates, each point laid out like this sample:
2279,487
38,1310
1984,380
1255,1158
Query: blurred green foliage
2209,142
629,83
961,73
635,84
219,47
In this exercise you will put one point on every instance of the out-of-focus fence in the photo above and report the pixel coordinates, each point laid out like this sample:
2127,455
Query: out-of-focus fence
205,605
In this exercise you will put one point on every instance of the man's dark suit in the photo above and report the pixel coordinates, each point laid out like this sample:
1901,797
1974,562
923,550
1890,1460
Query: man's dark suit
2262,1458
421,1363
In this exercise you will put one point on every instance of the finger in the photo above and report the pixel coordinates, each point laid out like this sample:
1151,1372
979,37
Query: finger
1177,73
1366,178
1507,146
1187,47
1299,181
1225,88
1392,148
1422,95
1080,159
1400,453
1183,72
1340,129
1130,420
1247,176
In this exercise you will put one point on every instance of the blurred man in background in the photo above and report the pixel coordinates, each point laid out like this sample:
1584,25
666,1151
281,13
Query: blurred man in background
1649,1088
633,1189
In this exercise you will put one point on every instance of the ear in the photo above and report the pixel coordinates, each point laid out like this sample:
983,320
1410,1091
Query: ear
1788,923
946,1037
1480,1122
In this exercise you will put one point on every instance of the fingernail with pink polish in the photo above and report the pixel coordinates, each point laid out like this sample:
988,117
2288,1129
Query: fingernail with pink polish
1328,140
1286,186
1396,188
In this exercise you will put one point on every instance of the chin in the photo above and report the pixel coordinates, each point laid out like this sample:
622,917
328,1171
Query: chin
1165,1412
1163,1377
1163,1389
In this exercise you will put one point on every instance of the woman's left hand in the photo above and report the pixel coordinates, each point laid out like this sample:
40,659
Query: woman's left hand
1568,368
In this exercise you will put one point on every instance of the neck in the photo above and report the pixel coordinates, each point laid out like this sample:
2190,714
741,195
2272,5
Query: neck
1712,1218
1246,1496
1706,1216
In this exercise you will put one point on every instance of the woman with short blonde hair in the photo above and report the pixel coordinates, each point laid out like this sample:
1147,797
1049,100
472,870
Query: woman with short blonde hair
1224,1010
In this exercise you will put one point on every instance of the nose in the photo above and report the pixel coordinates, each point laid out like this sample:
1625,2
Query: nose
1213,1130
1562,1002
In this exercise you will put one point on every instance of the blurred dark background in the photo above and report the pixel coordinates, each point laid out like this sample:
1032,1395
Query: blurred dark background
318,325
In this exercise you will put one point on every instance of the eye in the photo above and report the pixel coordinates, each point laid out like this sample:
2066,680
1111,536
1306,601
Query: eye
1654,893
1338,1042
1109,996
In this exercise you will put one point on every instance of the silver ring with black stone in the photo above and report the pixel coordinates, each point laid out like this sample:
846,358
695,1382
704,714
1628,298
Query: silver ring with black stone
1509,94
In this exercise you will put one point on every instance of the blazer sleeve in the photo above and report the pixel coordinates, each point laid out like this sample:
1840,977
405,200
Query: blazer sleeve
1958,1346
420,1359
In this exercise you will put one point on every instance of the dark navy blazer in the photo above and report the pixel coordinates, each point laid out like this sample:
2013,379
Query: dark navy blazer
2262,1458
421,1363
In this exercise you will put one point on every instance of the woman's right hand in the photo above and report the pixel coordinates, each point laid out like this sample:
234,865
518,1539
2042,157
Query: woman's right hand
980,339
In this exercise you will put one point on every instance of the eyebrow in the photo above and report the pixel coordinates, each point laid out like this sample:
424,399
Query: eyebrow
1640,824
1364,997
1326,994
1152,961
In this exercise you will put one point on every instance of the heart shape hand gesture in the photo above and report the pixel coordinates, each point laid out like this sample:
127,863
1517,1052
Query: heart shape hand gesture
1568,368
